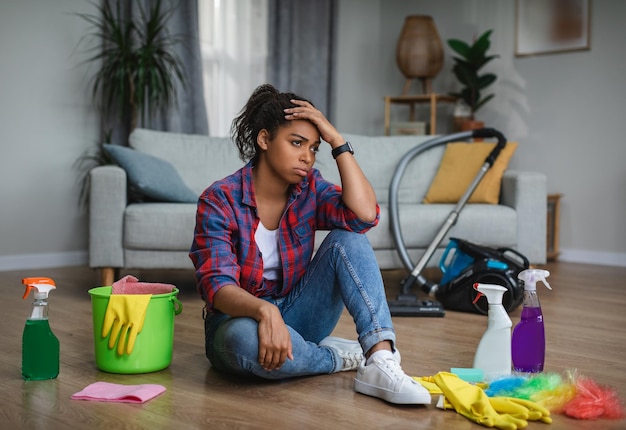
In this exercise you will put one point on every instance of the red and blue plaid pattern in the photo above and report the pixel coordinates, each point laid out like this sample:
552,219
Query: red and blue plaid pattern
224,251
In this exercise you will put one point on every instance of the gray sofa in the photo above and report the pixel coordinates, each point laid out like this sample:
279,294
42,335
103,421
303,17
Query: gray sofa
157,235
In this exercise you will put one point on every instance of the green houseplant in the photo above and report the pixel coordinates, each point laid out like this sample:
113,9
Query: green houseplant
138,66
137,71
467,66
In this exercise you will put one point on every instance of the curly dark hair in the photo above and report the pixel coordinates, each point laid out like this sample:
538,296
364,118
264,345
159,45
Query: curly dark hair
264,110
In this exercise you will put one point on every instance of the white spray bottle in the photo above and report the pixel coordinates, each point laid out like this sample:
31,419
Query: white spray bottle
493,355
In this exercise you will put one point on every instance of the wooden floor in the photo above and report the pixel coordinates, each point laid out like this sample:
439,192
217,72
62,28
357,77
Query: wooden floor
585,319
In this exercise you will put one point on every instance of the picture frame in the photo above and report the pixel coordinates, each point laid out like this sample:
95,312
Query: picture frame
551,26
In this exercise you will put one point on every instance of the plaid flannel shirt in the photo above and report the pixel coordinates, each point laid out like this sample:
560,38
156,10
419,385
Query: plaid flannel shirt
224,251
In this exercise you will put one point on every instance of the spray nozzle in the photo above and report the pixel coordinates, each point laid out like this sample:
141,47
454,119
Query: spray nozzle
492,292
532,276
42,287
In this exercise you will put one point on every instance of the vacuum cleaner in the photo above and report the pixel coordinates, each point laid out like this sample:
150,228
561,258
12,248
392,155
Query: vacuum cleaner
463,262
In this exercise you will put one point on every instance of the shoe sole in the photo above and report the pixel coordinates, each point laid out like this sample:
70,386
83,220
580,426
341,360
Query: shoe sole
390,396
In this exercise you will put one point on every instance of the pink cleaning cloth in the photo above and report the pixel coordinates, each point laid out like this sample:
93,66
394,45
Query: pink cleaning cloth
131,285
107,392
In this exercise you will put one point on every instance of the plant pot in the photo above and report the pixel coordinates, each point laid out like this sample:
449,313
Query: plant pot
472,124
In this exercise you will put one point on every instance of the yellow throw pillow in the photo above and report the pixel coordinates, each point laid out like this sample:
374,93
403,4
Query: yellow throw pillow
460,165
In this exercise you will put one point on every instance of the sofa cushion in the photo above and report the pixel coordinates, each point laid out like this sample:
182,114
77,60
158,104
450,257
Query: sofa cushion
200,160
151,176
460,164
159,226
379,156
491,225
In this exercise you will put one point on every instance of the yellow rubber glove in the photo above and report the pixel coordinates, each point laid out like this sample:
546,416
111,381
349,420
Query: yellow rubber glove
428,383
125,313
472,402
521,408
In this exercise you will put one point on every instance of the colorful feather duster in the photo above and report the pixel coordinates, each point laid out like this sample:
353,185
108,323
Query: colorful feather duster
575,396
594,401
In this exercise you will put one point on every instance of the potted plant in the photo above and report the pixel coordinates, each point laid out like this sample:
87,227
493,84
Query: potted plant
467,66
137,74
138,67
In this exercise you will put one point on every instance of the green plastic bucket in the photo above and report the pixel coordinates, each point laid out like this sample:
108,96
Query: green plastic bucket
154,345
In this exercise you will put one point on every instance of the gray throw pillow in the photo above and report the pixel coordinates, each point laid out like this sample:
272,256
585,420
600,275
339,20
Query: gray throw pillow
152,176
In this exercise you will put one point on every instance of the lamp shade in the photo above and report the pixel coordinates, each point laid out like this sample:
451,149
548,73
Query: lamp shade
419,52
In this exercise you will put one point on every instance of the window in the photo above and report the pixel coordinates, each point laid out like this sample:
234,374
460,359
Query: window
233,42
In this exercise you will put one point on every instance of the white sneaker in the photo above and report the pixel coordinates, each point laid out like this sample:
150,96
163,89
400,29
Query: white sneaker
385,379
350,351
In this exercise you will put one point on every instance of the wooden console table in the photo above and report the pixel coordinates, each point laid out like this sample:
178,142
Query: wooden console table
411,101
552,230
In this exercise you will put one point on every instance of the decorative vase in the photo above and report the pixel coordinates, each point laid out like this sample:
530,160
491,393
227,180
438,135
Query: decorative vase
419,52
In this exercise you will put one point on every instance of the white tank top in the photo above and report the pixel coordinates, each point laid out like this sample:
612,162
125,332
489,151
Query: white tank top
267,241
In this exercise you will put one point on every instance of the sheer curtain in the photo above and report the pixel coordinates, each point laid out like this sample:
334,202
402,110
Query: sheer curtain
233,44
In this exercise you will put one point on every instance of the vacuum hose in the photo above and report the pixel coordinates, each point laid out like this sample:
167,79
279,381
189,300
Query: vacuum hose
416,270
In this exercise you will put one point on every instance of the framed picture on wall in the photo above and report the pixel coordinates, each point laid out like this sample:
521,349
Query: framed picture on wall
549,26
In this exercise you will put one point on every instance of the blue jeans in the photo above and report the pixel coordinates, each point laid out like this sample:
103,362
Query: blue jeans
343,273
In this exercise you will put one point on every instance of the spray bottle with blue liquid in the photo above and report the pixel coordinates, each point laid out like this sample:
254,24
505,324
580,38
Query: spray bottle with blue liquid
40,347
528,344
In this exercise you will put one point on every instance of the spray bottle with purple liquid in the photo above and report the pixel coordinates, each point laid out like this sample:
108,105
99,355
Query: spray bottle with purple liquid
528,344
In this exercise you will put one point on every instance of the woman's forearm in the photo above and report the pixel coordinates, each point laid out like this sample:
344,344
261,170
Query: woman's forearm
358,193
237,302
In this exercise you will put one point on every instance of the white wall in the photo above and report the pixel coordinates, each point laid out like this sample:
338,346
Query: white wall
46,123
564,109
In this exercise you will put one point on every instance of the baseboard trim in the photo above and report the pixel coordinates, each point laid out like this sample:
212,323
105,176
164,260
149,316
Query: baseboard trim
43,261
593,257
